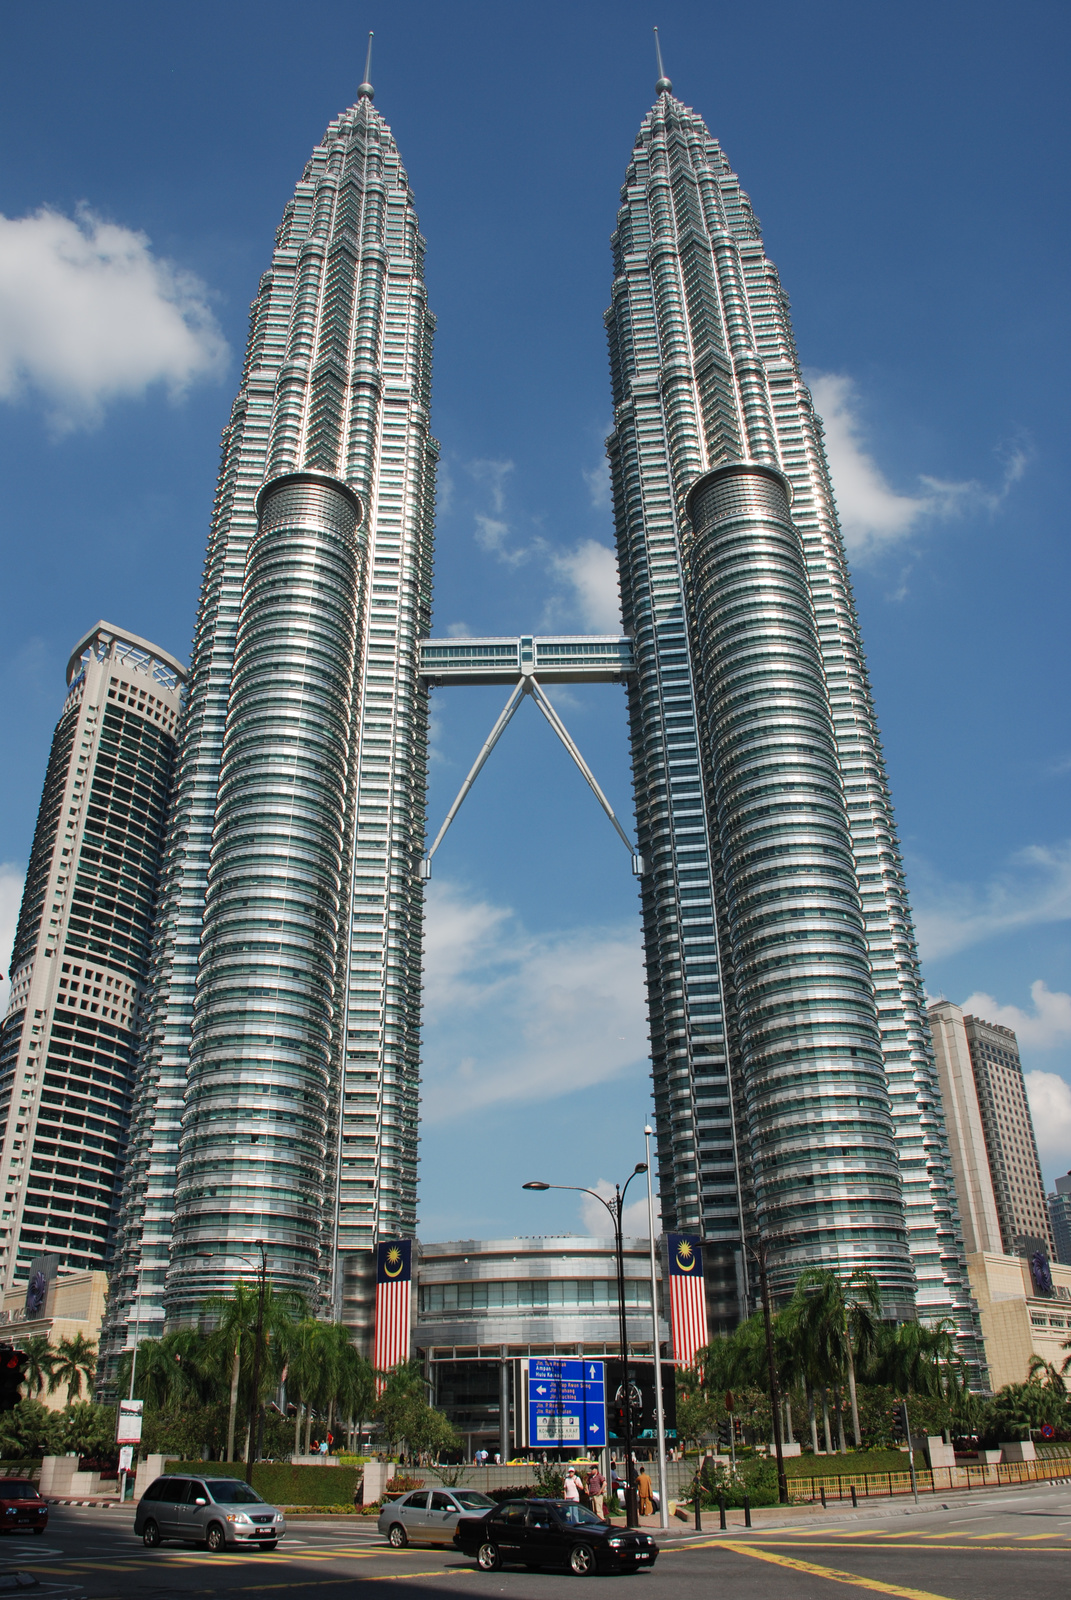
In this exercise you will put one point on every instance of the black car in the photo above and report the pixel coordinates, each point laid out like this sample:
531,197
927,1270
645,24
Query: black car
553,1533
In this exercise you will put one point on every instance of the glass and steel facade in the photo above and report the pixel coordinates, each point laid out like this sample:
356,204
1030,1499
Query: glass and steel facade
336,383
68,1044
795,1087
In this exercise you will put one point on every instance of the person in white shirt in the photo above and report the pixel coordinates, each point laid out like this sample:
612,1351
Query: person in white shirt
572,1485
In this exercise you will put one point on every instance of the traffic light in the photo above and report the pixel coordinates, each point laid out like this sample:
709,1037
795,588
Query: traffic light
12,1371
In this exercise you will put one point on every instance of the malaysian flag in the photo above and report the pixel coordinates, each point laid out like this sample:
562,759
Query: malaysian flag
687,1299
394,1282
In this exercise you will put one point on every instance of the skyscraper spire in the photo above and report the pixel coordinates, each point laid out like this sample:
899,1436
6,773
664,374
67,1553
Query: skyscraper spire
794,1078
278,1080
365,90
663,86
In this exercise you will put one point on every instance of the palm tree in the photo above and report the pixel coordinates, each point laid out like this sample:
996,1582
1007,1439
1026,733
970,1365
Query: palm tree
912,1357
305,1374
229,1347
171,1370
357,1389
75,1358
839,1323
237,1320
40,1362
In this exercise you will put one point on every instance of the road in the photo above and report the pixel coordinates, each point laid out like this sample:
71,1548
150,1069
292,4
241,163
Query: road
993,1547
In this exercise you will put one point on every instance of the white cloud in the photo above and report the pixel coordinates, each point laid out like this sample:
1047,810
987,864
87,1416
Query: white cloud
1050,1107
458,630
494,474
517,1017
444,490
1048,1025
11,881
88,314
873,514
590,570
491,534
1035,889
635,1222
599,486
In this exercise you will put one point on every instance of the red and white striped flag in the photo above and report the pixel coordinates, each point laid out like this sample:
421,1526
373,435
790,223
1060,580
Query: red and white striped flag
394,1284
687,1297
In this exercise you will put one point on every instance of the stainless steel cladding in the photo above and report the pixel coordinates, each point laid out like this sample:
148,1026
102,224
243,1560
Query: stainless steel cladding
824,1161
265,1051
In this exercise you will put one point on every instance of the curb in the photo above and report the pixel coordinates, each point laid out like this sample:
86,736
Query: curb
838,1511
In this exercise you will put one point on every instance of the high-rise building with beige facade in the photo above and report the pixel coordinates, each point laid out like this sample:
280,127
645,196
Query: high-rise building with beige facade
966,1134
991,1134
81,955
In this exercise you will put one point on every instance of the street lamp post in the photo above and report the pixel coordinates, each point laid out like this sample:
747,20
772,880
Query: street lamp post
771,1367
663,1505
615,1208
133,1356
254,1398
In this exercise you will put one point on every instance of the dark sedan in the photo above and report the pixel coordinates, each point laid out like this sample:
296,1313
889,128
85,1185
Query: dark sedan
21,1506
553,1533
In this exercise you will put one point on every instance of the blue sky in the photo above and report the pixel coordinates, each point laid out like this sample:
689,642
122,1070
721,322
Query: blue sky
908,166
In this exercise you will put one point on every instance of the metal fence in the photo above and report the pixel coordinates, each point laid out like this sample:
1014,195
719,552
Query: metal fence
936,1480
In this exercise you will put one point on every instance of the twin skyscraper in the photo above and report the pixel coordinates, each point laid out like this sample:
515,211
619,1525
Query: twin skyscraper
277,1080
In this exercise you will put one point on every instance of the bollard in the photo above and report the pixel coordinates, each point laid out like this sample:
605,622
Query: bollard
698,1510
721,1512
747,1511
822,1492
855,1501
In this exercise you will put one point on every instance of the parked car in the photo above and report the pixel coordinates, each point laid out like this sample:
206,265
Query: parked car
21,1506
553,1533
215,1512
429,1516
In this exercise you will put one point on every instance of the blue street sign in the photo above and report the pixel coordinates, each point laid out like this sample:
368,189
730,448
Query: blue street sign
566,1403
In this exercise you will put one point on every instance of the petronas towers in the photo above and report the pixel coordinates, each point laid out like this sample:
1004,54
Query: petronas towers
277,1095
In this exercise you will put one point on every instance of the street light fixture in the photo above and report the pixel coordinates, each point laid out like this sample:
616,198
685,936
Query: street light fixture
771,1367
615,1208
254,1398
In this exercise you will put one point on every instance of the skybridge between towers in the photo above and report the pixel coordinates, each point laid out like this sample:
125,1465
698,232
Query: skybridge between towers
527,662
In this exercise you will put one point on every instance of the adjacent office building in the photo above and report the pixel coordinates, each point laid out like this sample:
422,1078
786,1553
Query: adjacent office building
966,1131
995,1154
1060,1219
81,957
794,1076
485,1307
278,1093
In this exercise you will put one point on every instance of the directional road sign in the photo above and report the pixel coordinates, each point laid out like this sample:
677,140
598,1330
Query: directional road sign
566,1402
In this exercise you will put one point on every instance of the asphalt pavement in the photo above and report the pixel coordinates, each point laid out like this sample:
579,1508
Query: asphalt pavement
999,1546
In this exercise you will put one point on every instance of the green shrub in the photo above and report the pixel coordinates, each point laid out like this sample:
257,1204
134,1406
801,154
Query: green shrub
756,1479
283,1484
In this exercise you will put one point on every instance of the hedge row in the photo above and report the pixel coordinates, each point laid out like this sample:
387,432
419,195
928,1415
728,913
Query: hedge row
283,1484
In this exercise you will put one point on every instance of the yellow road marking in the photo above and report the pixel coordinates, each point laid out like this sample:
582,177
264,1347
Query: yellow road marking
967,1547
833,1574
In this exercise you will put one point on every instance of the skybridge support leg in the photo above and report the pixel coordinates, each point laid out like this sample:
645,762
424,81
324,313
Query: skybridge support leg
563,734
488,745
529,685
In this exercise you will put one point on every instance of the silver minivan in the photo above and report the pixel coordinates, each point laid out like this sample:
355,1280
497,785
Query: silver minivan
429,1516
215,1512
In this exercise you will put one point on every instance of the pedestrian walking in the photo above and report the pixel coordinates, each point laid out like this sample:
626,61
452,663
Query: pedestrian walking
595,1486
572,1486
644,1490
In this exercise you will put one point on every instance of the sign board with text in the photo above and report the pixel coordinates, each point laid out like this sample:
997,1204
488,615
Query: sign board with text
566,1403
129,1426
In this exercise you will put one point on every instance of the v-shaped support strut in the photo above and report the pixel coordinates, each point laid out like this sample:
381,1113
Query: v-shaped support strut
529,685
